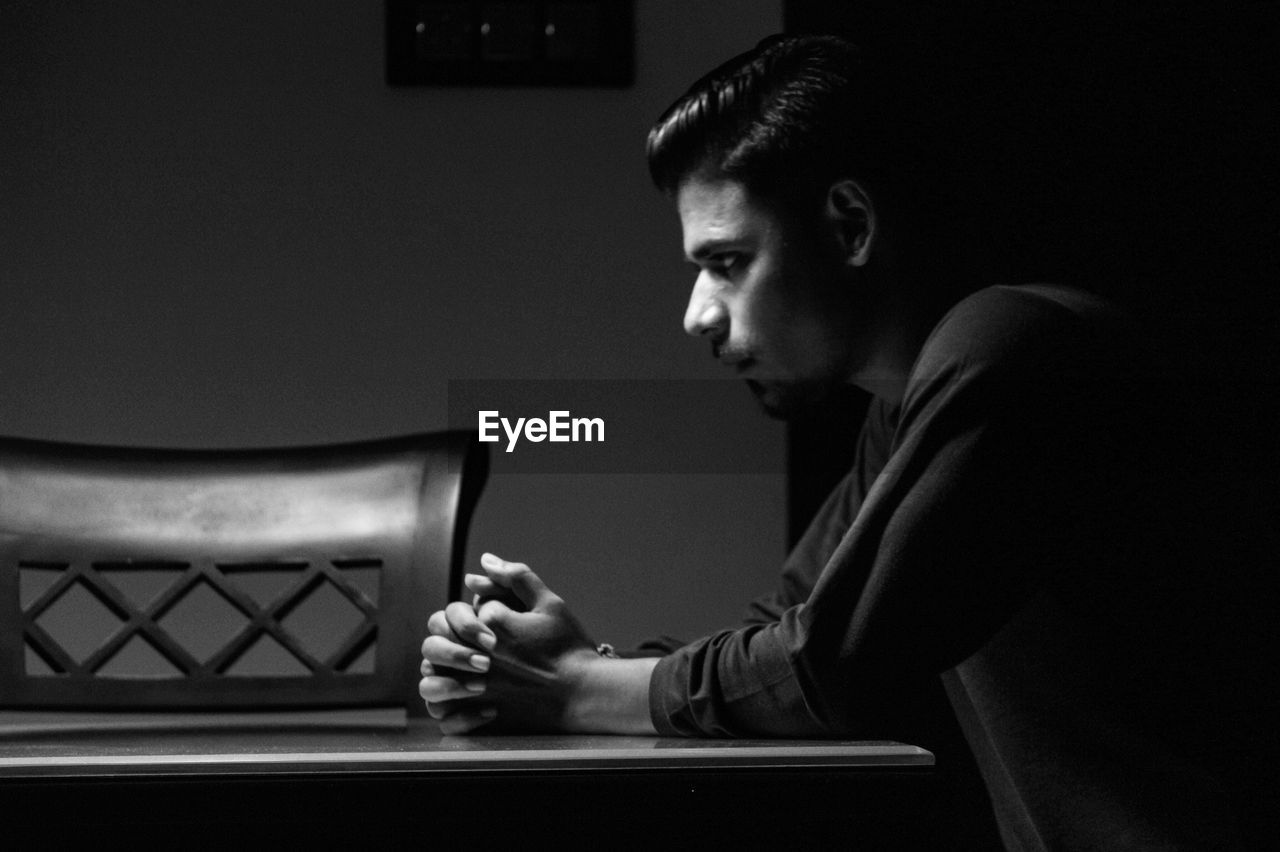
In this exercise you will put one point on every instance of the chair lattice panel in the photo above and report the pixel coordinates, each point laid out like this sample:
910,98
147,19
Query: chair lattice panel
199,620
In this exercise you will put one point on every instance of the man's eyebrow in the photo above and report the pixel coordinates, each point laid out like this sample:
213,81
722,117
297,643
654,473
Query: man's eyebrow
708,248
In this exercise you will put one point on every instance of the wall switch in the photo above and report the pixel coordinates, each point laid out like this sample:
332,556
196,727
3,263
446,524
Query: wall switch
443,32
509,32
573,32
511,43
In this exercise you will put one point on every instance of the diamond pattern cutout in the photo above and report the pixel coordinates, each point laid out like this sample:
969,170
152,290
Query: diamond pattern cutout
78,622
265,582
267,658
141,582
35,664
34,580
364,575
363,664
138,659
323,621
203,621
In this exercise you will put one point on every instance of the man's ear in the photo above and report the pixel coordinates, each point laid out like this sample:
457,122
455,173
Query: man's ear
853,219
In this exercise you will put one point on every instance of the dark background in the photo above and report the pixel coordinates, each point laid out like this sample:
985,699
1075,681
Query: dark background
1128,148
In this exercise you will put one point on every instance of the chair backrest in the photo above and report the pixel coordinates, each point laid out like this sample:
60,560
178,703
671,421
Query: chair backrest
227,579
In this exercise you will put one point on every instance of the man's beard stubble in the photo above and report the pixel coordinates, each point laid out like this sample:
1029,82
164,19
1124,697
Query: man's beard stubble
785,401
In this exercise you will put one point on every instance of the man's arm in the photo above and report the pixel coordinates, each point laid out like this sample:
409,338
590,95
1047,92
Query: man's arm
811,553
613,697
610,695
532,670
1002,475
1005,473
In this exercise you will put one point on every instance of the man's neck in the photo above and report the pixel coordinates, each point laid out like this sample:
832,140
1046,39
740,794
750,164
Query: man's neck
907,319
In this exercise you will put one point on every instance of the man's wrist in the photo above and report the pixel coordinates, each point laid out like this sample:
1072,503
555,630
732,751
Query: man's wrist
610,695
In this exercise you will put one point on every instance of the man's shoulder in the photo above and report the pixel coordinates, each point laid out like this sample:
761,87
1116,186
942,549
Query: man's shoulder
1034,299
1025,326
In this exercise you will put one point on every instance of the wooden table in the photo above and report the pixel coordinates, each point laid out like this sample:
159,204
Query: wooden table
377,780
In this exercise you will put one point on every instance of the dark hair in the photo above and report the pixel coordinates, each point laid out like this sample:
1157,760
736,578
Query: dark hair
793,113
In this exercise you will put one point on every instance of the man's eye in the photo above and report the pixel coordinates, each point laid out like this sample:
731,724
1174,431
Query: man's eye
726,264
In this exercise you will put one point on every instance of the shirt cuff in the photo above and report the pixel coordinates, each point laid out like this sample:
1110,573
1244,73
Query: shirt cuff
665,698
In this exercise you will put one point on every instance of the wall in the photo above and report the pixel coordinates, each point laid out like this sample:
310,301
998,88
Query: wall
219,227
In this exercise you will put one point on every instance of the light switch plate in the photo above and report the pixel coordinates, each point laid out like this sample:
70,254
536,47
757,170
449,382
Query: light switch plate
510,42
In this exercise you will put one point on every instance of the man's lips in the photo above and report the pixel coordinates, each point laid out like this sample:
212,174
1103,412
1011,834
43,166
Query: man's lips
739,361
739,365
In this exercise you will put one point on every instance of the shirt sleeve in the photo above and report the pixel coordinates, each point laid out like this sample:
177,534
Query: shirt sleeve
983,495
805,562
810,555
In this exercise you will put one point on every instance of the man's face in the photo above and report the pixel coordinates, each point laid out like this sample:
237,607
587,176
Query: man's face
772,295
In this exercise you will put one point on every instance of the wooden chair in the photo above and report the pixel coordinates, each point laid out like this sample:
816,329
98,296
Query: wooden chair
177,580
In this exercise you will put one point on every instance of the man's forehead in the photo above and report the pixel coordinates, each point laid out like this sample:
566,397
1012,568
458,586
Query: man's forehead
714,210
711,195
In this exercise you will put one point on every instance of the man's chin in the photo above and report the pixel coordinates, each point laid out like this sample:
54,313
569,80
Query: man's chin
785,401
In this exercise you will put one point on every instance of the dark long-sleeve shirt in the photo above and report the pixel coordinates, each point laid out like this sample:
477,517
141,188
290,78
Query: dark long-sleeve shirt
997,530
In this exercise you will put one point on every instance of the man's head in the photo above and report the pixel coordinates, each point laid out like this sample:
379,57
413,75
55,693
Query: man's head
785,119
782,172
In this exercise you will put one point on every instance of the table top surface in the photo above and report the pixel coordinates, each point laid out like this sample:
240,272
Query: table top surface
78,745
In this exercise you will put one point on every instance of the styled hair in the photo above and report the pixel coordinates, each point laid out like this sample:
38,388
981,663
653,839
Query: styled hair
795,114
790,113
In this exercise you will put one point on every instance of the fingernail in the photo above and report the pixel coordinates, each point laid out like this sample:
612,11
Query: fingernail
488,641
479,663
489,560
475,686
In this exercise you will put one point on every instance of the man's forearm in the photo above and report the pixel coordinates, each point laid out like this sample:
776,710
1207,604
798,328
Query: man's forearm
612,697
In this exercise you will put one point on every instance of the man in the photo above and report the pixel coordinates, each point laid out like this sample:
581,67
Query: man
996,530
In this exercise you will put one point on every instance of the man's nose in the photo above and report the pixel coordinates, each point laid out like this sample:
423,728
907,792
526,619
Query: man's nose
705,314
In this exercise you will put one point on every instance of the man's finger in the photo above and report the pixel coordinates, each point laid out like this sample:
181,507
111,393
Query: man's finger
461,715
438,625
469,629
466,720
480,585
434,688
440,651
518,577
494,611
470,683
